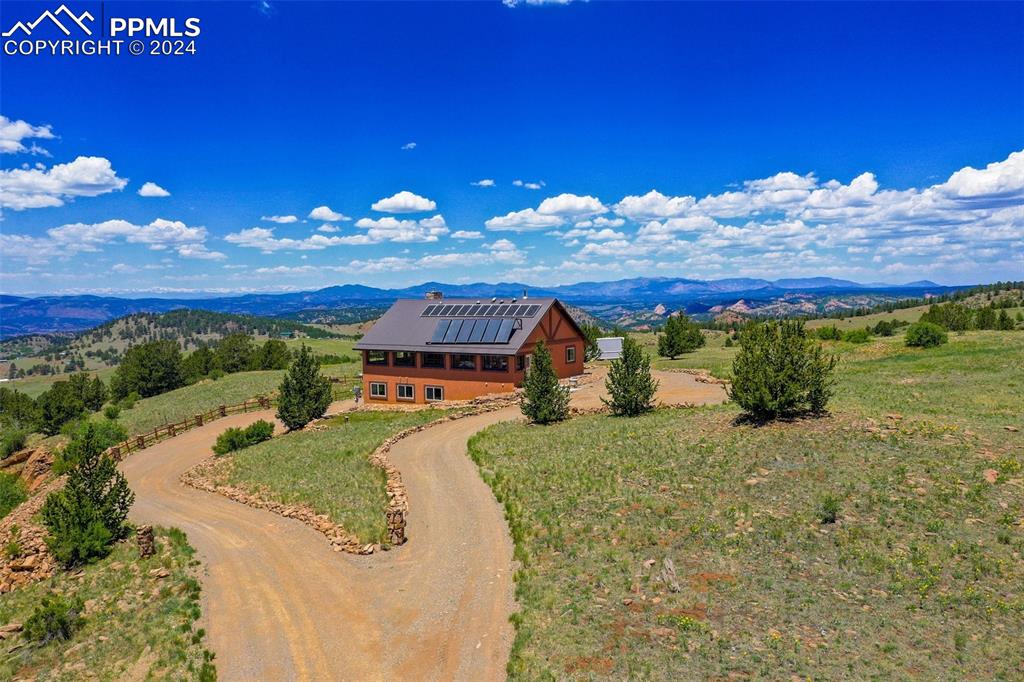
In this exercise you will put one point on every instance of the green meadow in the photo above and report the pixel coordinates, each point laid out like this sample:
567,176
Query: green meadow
883,541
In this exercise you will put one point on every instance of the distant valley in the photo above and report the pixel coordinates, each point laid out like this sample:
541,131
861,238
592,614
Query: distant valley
632,303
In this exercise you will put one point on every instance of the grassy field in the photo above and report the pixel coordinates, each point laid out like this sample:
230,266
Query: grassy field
327,346
328,470
188,401
137,625
903,315
34,385
921,575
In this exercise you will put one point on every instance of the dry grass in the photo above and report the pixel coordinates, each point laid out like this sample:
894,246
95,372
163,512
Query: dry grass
921,575
137,625
328,470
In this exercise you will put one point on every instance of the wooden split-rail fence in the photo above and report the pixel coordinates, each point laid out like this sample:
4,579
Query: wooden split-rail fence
158,434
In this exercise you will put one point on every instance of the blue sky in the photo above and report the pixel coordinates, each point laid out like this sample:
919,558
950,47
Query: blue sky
875,142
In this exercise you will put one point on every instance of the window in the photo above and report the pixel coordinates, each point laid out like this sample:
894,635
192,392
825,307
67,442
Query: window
570,354
378,390
406,392
376,357
496,363
405,358
432,360
462,361
520,363
433,394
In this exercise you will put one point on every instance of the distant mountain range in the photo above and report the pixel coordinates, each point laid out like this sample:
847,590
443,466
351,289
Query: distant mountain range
42,314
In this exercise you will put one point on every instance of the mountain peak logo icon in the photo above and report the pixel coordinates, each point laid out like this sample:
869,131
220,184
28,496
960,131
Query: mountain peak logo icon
69,17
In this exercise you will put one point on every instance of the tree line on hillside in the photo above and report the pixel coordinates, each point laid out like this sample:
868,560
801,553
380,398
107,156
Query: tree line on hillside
190,328
147,369
1000,294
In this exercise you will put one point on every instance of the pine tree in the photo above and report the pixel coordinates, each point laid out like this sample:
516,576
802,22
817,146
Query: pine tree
681,335
544,399
591,351
89,514
629,382
305,395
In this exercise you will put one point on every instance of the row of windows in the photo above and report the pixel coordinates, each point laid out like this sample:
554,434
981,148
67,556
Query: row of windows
379,391
490,363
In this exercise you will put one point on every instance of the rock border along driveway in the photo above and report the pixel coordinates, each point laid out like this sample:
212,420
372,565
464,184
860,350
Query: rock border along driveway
278,603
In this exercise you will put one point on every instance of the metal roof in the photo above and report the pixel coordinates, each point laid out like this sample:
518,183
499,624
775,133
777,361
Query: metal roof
412,324
610,347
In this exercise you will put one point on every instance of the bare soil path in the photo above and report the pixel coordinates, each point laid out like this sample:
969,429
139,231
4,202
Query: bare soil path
674,388
278,604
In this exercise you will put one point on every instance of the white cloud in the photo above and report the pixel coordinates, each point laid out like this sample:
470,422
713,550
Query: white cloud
506,252
200,252
12,134
527,220
782,181
528,185
601,222
653,205
467,234
157,234
486,182
409,146
263,238
536,3
325,213
395,230
328,228
284,219
123,268
151,189
73,238
999,180
86,176
404,202
571,205
592,235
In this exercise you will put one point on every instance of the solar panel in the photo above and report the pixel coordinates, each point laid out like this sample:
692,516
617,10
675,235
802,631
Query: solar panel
502,310
531,310
429,309
464,333
440,331
445,310
479,326
504,331
491,332
453,331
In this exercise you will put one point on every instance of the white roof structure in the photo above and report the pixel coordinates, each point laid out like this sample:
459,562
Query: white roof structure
611,347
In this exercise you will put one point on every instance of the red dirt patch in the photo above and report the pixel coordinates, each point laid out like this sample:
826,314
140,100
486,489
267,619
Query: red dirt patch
590,664
702,581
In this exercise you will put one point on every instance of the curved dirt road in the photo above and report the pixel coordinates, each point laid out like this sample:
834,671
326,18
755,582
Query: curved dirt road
279,604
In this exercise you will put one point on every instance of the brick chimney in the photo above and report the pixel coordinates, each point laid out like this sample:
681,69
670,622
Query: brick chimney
434,295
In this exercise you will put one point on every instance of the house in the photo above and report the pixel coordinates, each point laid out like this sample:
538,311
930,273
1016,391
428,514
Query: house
437,349
610,347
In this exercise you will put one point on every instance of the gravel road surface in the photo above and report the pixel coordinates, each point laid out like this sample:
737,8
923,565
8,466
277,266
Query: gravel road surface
279,604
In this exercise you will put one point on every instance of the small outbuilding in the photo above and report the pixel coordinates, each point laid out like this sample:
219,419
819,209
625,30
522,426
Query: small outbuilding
610,347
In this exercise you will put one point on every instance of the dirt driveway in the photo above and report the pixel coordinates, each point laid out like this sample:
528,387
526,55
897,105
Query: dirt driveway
674,388
278,604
